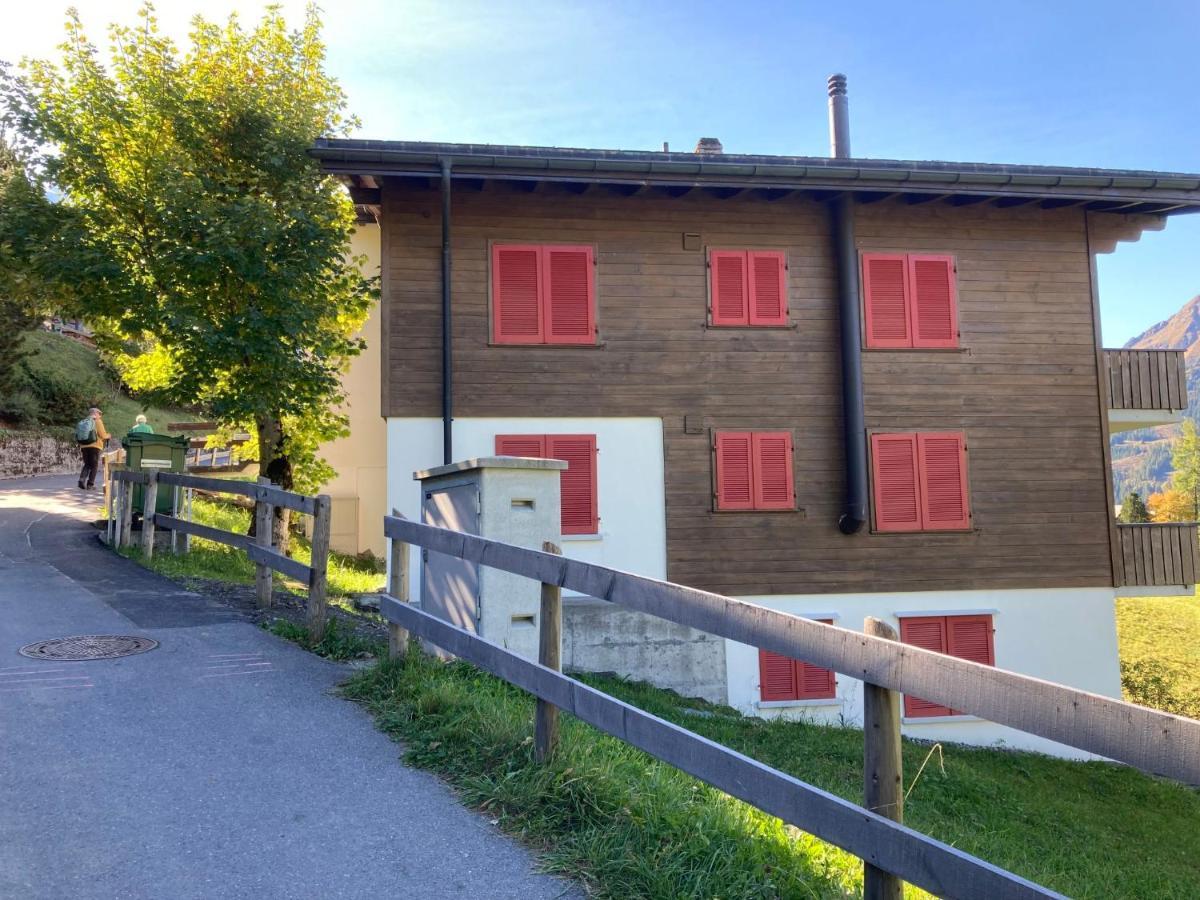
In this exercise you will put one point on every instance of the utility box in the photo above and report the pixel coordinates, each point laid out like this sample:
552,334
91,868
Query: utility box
505,498
147,452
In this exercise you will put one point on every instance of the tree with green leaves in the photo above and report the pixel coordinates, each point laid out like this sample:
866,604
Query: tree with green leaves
23,212
1185,464
203,238
1134,509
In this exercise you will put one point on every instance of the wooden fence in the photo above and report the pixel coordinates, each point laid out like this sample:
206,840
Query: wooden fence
1154,741
261,548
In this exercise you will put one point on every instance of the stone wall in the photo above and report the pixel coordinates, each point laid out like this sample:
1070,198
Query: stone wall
25,453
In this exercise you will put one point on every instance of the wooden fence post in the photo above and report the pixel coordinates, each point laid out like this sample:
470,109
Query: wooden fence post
126,524
545,732
319,564
263,527
174,515
398,588
149,506
883,774
111,507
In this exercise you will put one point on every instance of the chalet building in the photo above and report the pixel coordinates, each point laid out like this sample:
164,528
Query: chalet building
837,387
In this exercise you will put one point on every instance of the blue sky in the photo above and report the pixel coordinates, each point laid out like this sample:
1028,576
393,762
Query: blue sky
1097,83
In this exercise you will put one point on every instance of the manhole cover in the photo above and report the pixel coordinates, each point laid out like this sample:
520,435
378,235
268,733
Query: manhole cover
89,646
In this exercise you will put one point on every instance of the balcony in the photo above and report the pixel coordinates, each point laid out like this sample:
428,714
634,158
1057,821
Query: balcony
1145,388
1157,558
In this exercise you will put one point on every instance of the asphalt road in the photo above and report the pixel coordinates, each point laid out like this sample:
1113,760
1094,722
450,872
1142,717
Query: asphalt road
218,765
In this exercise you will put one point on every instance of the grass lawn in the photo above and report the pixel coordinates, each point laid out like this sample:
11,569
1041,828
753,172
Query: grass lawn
78,364
1160,652
634,827
346,575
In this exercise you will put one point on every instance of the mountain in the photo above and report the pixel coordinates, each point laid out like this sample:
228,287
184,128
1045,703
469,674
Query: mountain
1142,459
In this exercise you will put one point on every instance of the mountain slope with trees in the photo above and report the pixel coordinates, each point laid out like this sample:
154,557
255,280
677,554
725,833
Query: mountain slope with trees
1142,458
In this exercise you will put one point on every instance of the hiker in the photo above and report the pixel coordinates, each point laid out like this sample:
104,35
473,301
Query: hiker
91,436
141,426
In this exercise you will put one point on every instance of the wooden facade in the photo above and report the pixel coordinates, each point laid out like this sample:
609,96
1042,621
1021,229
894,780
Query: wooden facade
1023,385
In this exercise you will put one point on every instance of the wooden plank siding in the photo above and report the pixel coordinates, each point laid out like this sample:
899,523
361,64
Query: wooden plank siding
1024,387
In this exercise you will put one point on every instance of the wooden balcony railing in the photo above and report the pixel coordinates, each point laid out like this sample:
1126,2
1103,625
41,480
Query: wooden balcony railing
1157,554
1146,379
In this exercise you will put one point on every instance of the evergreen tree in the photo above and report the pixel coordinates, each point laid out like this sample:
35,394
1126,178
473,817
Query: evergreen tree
1134,509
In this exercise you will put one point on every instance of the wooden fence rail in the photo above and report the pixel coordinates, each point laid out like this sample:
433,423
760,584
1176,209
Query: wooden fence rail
1150,740
261,549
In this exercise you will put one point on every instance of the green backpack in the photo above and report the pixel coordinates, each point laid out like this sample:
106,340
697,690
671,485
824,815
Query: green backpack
85,431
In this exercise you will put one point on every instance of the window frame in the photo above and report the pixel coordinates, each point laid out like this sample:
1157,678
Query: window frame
911,342
545,440
918,440
797,665
495,339
748,255
939,711
753,504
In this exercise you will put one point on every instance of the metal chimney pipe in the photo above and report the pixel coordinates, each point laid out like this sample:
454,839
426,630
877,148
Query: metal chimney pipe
849,300
839,117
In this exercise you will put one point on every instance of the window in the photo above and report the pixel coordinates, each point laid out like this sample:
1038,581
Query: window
920,481
967,637
754,470
784,678
580,512
543,294
910,300
747,287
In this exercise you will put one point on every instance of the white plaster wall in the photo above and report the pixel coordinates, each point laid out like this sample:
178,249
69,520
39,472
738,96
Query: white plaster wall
1064,635
630,493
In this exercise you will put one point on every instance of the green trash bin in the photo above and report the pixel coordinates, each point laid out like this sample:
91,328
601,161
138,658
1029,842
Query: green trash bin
145,452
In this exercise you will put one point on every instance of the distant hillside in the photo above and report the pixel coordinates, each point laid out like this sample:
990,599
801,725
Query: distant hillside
1142,459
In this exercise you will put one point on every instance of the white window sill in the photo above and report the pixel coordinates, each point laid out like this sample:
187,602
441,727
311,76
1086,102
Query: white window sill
788,704
576,538
937,720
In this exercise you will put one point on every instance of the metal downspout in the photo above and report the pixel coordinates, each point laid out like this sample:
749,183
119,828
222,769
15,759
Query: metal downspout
447,364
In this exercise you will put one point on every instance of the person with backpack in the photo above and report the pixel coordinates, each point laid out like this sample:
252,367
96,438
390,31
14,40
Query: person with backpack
91,436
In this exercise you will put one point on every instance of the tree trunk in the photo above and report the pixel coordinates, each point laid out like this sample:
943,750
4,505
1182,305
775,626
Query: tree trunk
274,464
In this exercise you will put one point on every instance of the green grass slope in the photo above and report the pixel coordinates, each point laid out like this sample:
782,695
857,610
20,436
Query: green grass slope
634,827
1160,653
66,377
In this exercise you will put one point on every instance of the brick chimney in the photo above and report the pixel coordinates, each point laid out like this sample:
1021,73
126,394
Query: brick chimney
709,147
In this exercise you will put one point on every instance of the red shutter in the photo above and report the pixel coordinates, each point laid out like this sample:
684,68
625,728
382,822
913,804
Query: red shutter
896,482
516,294
580,514
768,287
929,633
813,682
943,465
728,287
569,295
772,470
932,301
776,676
529,445
970,637
886,289
734,470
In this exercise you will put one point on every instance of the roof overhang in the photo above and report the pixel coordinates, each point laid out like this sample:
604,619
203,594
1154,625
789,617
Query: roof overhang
1108,190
